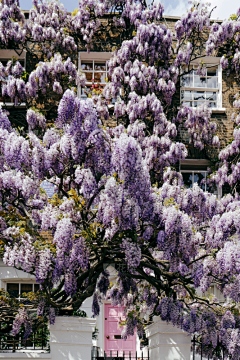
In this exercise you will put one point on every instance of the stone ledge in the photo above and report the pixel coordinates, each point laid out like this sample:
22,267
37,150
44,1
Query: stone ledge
25,355
219,111
71,323
167,342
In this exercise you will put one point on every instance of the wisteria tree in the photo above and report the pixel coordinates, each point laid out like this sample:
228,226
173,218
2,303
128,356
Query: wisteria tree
119,198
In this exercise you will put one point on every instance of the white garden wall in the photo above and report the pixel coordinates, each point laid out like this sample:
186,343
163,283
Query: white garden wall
167,342
70,339
25,356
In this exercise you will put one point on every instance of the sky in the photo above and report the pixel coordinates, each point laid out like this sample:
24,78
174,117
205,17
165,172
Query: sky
224,9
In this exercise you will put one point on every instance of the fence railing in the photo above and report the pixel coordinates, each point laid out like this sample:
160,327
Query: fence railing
38,340
197,351
118,355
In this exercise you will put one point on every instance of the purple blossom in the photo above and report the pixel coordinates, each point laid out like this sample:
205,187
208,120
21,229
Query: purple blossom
22,318
95,305
117,193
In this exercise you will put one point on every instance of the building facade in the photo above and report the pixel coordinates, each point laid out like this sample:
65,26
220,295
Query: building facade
215,88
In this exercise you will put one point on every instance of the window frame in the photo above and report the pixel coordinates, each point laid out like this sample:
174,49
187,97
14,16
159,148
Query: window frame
204,163
91,57
101,56
210,61
213,290
20,283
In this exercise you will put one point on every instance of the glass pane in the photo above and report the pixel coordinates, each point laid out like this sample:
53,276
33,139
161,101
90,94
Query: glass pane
219,295
100,77
187,95
36,287
188,103
212,104
187,81
211,96
198,177
86,65
212,189
190,81
89,76
203,81
199,95
184,81
4,62
99,66
212,71
13,289
187,179
86,90
209,292
212,82
25,288
199,81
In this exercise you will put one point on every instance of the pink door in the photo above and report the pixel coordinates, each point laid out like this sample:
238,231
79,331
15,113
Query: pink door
112,333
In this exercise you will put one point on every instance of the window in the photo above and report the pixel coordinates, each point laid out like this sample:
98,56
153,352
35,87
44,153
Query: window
214,291
13,289
94,65
5,56
96,75
195,171
196,176
196,89
17,289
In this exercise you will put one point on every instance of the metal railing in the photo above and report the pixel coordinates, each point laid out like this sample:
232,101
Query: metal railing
37,341
197,351
118,355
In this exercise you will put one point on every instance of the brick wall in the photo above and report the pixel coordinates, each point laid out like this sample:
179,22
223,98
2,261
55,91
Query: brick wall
223,119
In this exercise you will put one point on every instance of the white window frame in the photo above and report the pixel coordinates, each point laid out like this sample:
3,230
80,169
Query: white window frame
29,282
7,54
210,61
213,290
91,57
195,163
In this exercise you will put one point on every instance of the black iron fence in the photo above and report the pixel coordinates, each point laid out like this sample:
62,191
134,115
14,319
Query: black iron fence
115,355
198,353
38,340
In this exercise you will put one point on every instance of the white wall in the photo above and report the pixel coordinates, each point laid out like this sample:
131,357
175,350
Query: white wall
167,342
70,339
10,274
26,356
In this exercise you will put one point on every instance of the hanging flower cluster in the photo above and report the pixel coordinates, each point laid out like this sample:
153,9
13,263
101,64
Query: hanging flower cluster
55,75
